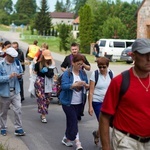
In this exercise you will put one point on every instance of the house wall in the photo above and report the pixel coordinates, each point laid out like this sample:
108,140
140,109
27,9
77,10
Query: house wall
143,20
56,21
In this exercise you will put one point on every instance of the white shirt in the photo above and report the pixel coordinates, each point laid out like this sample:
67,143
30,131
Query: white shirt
101,86
76,96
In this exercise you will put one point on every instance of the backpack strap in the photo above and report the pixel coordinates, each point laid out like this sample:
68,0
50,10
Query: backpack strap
125,83
123,89
110,74
96,76
17,61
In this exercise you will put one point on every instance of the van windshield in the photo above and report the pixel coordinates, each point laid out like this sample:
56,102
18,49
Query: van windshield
102,43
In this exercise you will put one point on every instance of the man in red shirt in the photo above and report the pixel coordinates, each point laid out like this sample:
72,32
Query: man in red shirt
131,123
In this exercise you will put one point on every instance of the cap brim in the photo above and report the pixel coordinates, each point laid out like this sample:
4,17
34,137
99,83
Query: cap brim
47,57
144,51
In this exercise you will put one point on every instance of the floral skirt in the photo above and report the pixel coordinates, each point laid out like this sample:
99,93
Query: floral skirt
43,99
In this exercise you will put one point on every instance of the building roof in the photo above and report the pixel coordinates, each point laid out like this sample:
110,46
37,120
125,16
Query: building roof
64,15
77,20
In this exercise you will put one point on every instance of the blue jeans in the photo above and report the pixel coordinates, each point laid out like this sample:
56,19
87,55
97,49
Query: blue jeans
97,107
72,112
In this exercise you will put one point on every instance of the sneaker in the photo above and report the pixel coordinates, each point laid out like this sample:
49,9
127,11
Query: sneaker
3,132
66,142
96,138
43,120
19,132
79,147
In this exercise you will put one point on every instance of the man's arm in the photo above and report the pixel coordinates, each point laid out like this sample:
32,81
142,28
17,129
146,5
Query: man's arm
64,64
104,120
22,60
27,52
86,65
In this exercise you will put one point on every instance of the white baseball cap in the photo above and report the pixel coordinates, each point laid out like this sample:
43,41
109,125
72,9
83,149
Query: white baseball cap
12,52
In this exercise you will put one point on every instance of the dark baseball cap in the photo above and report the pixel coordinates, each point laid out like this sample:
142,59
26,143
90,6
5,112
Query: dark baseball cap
141,45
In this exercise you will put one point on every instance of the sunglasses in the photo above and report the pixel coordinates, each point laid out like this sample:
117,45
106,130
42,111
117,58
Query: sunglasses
100,67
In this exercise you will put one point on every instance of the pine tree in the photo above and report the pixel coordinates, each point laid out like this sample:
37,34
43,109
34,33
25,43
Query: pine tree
43,19
85,29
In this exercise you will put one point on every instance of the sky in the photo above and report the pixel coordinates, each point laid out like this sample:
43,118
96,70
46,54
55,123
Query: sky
52,3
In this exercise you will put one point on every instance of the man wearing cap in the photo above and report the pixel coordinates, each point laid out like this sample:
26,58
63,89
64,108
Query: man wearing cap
131,112
10,73
20,57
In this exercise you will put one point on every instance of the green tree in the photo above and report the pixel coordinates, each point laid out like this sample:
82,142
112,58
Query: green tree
59,6
78,4
114,28
85,29
71,39
95,5
64,31
67,6
43,19
27,7
6,6
128,18
100,11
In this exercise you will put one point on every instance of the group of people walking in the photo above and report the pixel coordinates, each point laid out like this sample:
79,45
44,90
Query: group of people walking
127,110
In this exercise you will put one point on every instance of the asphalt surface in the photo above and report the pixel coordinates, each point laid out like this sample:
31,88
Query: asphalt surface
47,136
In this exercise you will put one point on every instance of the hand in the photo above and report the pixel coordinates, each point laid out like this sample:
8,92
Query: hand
90,111
86,86
80,83
14,74
19,75
44,70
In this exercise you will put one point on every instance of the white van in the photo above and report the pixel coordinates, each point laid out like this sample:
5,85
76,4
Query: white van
112,48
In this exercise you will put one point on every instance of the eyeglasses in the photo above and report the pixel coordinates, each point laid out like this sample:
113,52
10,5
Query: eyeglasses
79,64
100,67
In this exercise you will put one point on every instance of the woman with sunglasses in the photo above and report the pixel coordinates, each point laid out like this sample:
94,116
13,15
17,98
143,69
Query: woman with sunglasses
74,84
98,90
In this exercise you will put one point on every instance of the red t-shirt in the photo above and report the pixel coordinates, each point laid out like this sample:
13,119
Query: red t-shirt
132,112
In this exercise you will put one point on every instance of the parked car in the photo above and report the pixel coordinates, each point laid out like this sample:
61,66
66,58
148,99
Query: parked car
126,55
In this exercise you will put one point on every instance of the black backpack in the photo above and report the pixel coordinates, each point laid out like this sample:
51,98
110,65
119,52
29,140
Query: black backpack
123,89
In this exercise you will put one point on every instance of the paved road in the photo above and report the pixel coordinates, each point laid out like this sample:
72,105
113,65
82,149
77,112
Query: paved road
48,136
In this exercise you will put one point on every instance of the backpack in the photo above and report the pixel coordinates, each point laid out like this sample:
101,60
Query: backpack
59,83
123,89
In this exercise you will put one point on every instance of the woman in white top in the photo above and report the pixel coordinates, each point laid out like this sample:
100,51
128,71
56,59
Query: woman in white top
98,87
